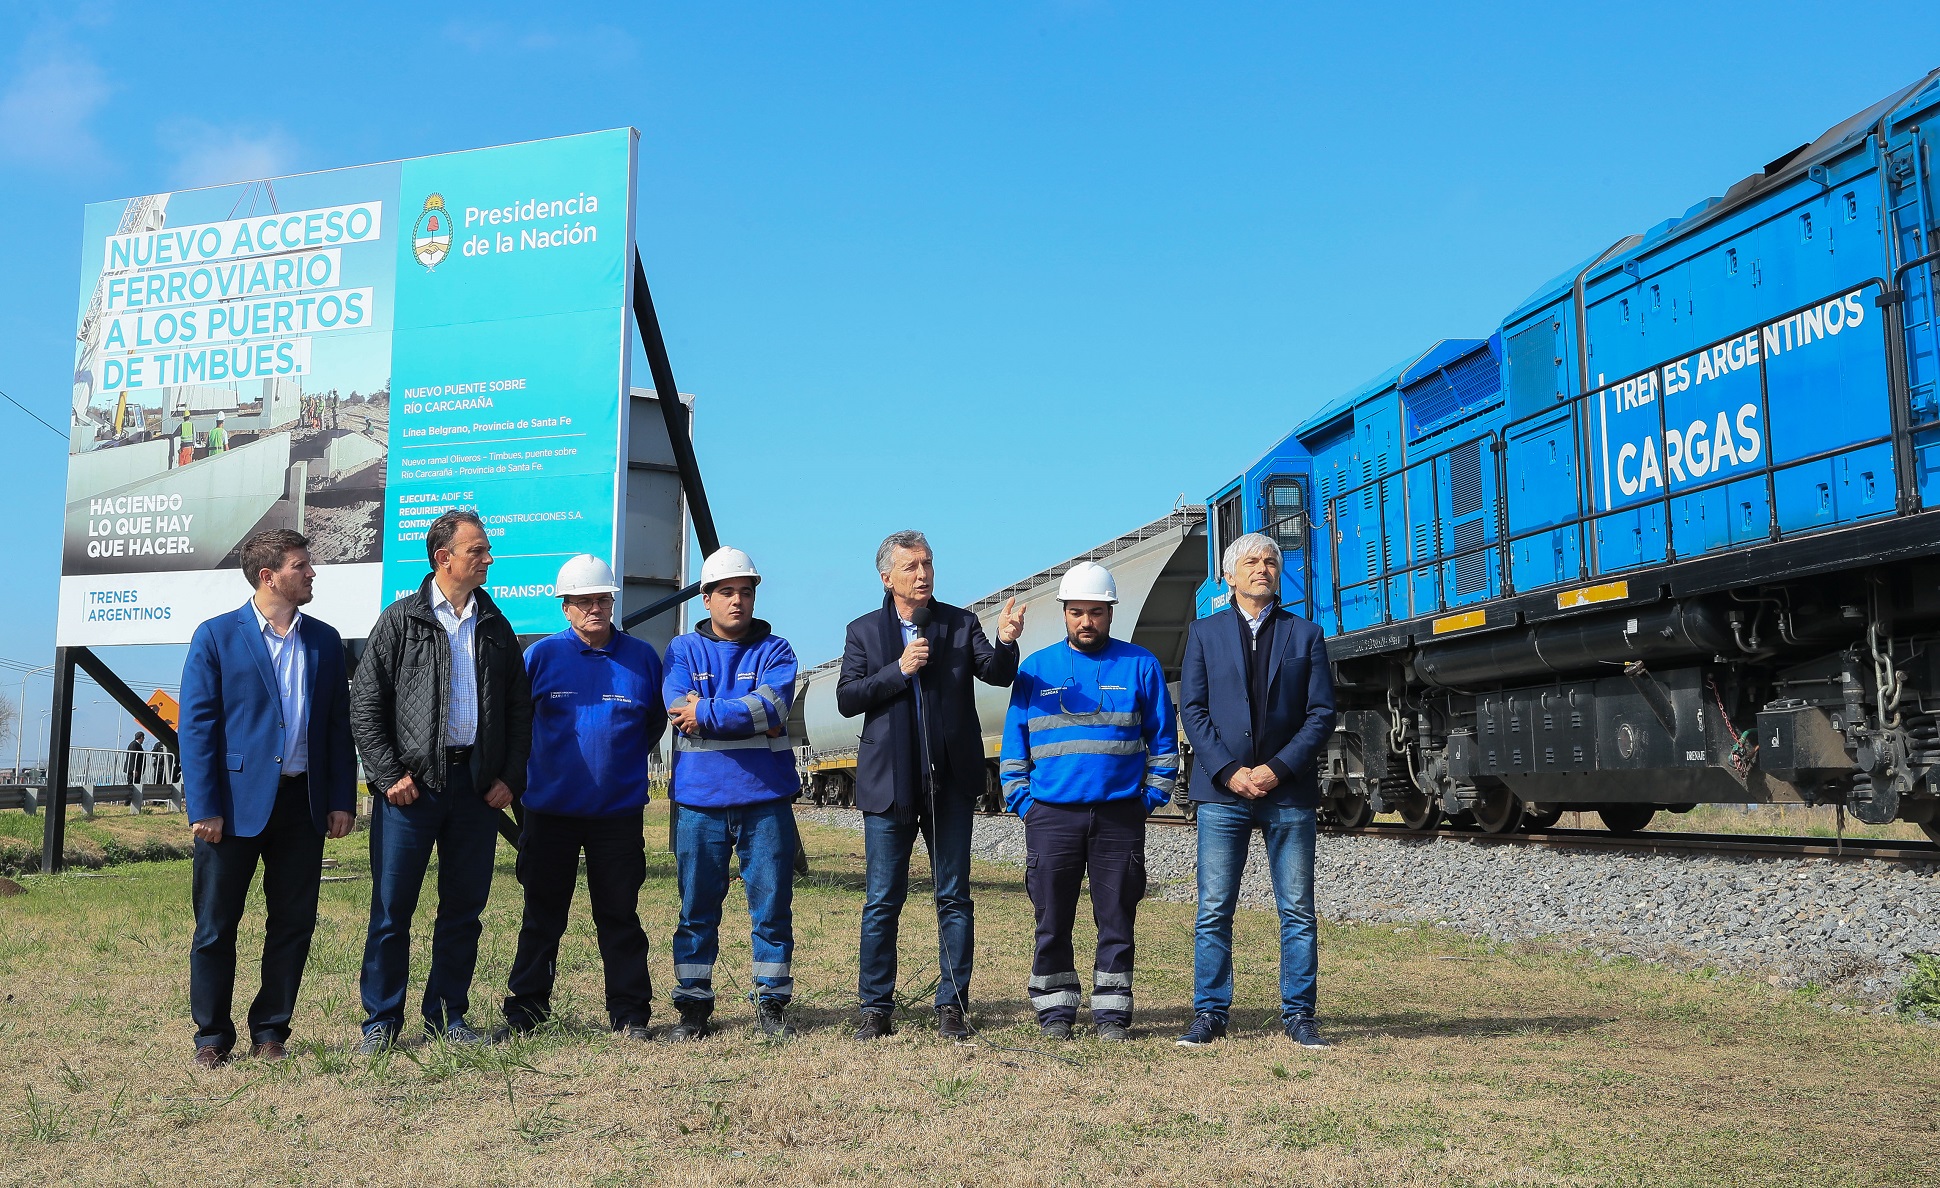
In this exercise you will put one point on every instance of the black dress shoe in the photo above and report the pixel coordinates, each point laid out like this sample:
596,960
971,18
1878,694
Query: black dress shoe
950,1022
874,1025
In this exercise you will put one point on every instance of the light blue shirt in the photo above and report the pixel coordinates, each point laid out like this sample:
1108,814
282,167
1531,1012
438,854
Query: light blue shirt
461,707
286,663
909,633
1253,622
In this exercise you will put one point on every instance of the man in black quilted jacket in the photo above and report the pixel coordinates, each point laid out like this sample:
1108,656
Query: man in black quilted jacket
442,714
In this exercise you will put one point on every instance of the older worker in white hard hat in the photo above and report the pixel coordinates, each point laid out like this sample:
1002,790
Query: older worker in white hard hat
730,683
596,716
1091,747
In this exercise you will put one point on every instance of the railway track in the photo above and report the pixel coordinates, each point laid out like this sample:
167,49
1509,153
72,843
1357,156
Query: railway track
1741,844
1737,844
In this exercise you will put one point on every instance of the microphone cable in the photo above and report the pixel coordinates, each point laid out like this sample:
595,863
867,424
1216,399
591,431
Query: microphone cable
920,619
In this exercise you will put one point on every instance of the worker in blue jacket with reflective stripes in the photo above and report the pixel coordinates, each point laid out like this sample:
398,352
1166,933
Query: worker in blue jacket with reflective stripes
596,717
729,686
1091,747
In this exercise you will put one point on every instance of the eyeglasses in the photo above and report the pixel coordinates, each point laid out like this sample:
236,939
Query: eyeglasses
587,602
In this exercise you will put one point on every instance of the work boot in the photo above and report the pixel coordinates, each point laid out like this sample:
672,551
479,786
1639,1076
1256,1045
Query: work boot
692,1025
874,1025
1057,1029
951,1023
1114,1032
770,1014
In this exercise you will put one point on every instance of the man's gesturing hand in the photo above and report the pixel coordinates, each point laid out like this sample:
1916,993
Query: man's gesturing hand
403,792
209,829
1010,622
916,654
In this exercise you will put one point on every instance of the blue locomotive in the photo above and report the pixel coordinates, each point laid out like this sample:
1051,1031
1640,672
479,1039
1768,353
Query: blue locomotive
1667,536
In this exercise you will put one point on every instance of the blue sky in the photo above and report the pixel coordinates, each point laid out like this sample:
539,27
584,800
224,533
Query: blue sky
1020,275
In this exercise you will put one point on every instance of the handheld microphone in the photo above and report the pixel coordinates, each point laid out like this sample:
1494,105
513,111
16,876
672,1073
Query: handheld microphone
920,617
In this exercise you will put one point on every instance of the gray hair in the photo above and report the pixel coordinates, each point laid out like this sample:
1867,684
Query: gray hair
900,540
1252,544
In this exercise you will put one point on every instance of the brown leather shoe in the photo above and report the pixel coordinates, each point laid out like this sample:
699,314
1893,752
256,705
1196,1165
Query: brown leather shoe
269,1050
211,1057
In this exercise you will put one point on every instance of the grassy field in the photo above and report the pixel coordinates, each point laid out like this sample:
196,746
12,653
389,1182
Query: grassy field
1457,1063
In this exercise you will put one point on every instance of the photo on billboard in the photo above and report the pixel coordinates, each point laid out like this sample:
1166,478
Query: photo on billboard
349,353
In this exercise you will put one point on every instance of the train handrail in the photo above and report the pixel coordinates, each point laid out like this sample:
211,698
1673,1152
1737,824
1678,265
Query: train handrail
1572,409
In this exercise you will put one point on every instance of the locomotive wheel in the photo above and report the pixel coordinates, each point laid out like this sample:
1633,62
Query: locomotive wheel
1497,811
1349,811
1545,818
1420,812
845,790
1626,818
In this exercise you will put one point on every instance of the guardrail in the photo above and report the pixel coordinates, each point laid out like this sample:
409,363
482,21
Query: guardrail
104,776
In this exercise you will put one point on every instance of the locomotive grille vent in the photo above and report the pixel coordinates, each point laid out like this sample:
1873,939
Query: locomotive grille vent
1465,479
1471,570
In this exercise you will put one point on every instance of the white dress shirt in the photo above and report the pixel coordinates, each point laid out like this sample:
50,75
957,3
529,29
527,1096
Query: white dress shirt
287,664
461,708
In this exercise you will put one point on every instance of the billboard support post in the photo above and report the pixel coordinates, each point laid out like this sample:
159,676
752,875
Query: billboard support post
54,805
61,736
672,409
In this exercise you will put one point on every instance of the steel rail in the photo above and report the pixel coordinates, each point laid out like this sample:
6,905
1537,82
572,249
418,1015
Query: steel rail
1750,845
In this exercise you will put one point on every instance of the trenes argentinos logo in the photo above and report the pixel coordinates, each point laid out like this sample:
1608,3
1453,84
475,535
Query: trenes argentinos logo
431,238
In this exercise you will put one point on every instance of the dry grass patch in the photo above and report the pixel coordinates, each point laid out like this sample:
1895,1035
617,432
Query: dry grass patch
1457,1063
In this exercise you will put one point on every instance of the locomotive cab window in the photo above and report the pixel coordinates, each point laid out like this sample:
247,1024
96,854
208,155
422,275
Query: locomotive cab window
1286,512
1228,524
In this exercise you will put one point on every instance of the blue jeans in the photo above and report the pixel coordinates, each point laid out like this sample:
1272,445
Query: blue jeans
1225,832
763,837
887,843
456,821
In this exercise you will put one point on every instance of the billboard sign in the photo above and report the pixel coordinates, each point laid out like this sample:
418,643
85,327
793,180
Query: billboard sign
350,353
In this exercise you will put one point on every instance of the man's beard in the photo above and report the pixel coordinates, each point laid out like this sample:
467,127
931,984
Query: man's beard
1097,643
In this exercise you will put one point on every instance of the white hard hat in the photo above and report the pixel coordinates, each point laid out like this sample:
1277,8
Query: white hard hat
585,574
725,563
1087,581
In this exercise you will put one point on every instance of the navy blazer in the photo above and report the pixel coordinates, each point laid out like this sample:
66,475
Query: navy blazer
231,735
888,764
1218,717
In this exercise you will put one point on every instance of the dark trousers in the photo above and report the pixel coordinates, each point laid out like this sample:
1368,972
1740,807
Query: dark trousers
616,867
291,851
1062,844
456,822
887,843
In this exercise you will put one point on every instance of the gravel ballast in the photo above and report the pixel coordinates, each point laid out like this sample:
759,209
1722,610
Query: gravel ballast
1843,925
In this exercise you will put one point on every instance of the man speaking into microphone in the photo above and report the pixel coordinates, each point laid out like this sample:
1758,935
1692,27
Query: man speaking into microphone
907,668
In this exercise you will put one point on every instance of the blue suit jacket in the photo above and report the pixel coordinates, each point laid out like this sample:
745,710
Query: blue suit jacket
1218,717
232,724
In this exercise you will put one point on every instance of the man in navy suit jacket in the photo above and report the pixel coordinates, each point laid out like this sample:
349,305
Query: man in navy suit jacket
888,662
1257,699
268,771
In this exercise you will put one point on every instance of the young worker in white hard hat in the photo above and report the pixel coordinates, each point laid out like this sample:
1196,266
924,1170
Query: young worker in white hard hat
596,716
729,685
1091,747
